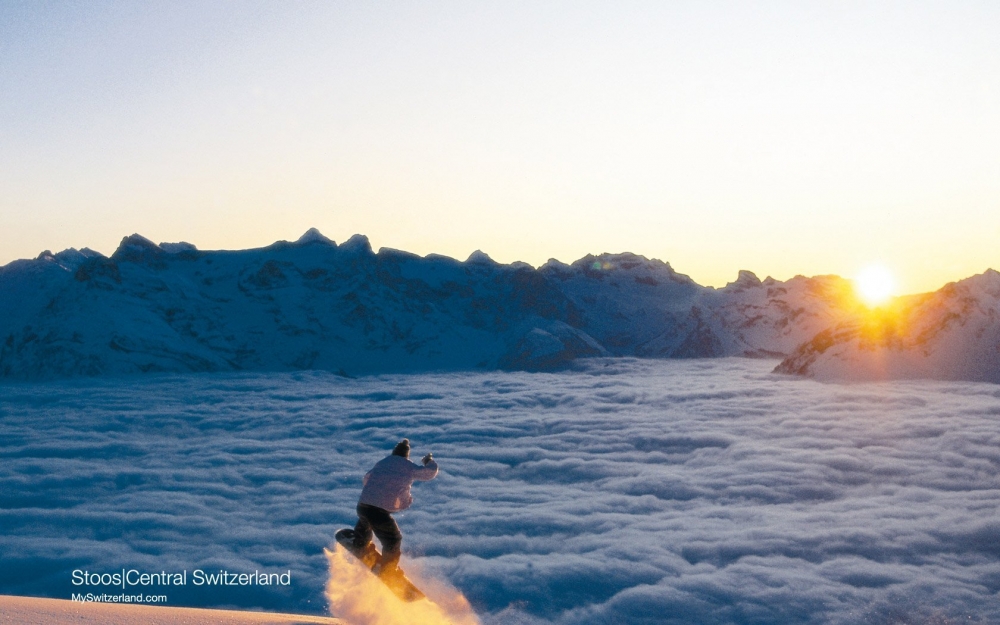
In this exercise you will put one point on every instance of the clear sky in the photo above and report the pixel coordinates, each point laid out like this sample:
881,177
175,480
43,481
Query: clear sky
780,137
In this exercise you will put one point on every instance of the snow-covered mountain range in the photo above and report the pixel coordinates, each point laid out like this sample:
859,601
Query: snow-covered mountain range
314,304
951,334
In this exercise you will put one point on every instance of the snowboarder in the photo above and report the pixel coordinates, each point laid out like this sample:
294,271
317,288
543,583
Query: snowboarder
387,490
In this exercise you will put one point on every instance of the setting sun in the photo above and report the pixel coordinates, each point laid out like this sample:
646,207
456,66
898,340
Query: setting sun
875,284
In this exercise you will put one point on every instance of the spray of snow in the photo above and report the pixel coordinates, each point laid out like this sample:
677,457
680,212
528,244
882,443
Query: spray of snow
359,598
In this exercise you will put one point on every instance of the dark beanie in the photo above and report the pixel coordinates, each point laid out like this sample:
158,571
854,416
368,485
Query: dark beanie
402,448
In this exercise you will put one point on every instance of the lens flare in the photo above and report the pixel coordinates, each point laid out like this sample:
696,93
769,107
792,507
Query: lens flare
875,285
359,598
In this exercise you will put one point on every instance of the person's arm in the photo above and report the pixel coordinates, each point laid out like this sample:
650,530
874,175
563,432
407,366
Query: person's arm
427,472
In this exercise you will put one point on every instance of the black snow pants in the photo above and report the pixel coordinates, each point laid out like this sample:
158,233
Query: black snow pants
374,519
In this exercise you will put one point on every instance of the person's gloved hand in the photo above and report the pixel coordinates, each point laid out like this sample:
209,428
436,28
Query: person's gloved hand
426,460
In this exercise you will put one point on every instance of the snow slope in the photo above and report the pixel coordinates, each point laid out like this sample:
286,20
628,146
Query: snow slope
313,304
35,611
952,334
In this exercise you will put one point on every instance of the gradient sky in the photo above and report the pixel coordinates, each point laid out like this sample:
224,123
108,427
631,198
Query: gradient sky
780,137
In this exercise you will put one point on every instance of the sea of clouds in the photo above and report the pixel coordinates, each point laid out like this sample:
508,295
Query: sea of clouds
623,491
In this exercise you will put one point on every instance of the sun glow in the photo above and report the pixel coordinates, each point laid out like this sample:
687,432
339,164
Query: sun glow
874,285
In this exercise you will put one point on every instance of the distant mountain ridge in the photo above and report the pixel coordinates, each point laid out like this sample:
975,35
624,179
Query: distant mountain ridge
314,304
951,334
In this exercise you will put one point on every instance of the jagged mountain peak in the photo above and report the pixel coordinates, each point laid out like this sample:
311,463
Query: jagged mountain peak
606,260
744,280
73,257
68,258
358,244
136,248
987,282
480,257
619,261
136,240
313,235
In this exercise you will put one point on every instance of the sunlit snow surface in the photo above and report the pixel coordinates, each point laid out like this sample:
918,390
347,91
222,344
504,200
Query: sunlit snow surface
625,491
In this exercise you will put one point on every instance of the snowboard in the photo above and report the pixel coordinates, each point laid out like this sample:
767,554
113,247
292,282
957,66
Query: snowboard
396,582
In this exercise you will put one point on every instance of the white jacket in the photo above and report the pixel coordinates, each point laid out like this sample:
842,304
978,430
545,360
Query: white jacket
387,485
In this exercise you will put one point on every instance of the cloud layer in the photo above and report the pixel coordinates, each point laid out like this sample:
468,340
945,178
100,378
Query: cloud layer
622,491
